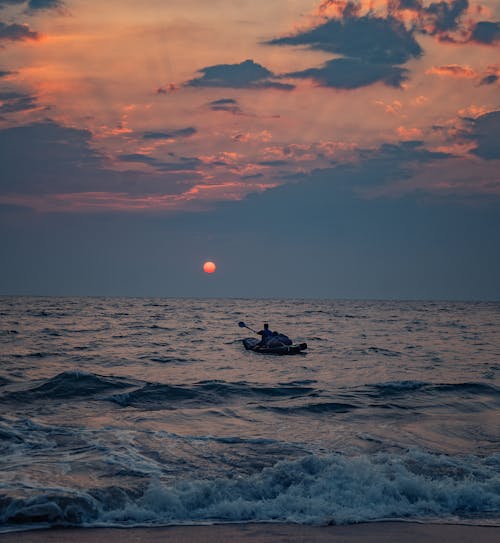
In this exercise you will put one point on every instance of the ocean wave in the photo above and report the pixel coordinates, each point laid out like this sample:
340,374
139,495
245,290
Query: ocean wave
154,396
66,385
163,396
314,408
313,490
398,387
410,387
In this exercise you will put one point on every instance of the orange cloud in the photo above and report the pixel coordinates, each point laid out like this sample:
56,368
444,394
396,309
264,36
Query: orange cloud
294,152
409,133
264,136
473,111
453,70
222,158
393,108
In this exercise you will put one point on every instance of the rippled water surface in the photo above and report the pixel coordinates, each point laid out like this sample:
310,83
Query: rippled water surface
126,412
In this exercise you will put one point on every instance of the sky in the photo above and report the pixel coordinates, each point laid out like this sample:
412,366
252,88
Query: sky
310,148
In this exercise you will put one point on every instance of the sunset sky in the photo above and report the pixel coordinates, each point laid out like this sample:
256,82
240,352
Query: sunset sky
309,148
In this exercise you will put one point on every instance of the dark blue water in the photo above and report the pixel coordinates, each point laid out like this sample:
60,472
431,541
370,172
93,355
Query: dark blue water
127,412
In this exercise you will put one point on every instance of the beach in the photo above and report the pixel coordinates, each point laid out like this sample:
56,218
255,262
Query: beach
386,532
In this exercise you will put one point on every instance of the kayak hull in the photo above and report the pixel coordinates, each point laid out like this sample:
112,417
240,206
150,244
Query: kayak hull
250,344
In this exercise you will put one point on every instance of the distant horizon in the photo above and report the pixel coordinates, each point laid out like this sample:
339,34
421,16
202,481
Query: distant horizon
285,298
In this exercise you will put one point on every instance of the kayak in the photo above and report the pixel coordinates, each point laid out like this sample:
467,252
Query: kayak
250,344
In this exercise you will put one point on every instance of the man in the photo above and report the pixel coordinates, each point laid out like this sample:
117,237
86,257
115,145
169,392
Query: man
265,333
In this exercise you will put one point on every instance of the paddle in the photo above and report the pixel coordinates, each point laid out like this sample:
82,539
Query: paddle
241,324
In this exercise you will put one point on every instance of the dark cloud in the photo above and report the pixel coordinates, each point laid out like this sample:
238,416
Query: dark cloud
489,79
16,32
439,19
486,32
35,156
372,46
185,163
404,152
446,20
274,163
349,73
485,131
369,38
170,134
5,3
5,73
33,4
45,157
444,16
44,4
226,104
12,102
247,74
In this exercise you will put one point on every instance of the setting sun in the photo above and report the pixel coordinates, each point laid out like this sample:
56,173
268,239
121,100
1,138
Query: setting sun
209,267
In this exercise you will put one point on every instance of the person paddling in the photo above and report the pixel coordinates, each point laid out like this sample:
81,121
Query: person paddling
265,333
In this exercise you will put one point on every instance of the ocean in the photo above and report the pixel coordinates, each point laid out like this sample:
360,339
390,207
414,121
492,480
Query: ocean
131,412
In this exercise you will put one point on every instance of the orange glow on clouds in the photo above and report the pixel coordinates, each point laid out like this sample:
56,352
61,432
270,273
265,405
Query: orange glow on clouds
409,133
120,71
453,70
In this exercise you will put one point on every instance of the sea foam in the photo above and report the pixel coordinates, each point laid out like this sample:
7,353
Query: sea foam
312,490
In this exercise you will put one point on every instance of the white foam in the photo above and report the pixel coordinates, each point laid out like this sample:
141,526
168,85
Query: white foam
333,488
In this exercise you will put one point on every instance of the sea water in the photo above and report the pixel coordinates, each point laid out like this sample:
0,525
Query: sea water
146,412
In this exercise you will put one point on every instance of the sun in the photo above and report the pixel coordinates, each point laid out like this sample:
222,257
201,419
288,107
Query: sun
209,267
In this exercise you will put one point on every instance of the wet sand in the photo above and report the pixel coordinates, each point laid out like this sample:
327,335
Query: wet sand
380,532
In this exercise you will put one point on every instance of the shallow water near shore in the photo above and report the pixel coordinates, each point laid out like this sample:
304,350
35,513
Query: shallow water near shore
146,412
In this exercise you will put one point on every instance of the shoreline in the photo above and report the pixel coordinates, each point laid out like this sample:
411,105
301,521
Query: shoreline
372,532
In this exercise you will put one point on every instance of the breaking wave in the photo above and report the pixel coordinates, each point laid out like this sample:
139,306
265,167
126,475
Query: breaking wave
312,490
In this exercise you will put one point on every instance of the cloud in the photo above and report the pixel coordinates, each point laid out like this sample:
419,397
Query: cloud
370,46
408,133
349,73
6,73
486,32
449,20
453,70
170,134
369,38
230,105
13,102
489,79
48,158
374,37
395,161
247,74
442,16
44,4
34,157
185,163
32,4
485,132
5,3
16,32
